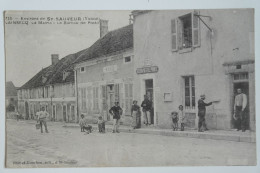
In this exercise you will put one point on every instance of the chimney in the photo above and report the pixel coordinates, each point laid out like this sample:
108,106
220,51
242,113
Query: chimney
103,27
54,59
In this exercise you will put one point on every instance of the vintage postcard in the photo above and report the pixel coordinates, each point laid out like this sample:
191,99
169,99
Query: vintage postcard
139,88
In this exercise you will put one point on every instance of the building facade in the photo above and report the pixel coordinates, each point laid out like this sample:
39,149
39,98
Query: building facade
182,54
52,88
104,74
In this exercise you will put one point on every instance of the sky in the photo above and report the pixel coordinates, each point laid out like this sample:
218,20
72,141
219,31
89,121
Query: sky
28,48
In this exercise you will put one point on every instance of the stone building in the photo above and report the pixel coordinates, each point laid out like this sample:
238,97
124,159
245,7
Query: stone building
52,88
104,74
181,54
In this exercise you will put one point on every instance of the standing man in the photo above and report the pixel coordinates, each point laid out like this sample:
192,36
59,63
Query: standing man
239,110
202,112
116,111
42,117
147,107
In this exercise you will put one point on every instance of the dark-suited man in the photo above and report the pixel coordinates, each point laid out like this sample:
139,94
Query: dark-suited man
202,112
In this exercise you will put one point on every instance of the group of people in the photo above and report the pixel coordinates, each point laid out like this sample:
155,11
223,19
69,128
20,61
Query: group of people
178,118
116,111
240,115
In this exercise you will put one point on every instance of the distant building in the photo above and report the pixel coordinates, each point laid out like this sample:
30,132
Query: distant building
181,54
104,74
52,88
10,94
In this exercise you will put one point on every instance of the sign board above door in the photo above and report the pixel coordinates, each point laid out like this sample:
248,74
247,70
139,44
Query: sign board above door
151,69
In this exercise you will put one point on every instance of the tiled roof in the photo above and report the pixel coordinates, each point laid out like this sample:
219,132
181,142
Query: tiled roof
10,89
52,74
114,41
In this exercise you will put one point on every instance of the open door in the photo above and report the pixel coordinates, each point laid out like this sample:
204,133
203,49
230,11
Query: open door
244,86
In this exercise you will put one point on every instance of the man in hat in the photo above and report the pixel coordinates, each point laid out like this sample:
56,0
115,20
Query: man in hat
239,110
116,111
202,112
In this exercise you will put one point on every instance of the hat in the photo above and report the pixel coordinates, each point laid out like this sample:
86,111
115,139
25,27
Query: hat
202,95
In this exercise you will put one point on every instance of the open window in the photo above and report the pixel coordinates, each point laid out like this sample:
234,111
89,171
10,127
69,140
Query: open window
185,32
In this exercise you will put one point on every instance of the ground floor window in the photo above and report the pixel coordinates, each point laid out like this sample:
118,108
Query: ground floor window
189,92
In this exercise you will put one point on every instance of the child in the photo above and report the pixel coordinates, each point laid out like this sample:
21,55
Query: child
175,119
181,115
84,126
101,125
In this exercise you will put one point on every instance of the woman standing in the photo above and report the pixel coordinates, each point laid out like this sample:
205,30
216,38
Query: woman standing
135,113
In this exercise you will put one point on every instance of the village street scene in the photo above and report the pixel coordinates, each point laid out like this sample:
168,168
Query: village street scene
130,88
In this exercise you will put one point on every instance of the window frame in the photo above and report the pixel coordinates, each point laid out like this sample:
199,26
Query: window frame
127,61
82,71
191,85
176,33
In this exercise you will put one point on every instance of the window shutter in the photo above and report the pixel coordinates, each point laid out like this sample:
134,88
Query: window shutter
121,95
104,105
174,35
117,92
195,29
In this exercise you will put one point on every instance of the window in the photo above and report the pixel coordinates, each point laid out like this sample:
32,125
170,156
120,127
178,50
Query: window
189,92
95,99
241,76
185,31
82,69
127,59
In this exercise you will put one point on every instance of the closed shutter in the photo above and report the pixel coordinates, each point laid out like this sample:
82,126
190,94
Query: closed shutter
90,100
174,35
121,95
126,99
97,99
195,29
130,94
117,92
104,99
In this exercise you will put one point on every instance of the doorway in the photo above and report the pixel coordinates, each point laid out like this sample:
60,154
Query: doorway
244,86
64,108
110,99
149,93
26,111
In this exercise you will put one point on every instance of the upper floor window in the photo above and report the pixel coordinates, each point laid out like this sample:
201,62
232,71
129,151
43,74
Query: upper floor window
82,69
127,59
185,31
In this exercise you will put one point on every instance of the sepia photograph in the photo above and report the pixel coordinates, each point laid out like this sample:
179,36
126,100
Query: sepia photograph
130,88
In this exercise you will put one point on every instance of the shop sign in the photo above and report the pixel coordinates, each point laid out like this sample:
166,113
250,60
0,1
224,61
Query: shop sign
109,69
151,69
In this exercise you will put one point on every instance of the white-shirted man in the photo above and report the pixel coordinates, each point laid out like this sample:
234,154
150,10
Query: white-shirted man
239,110
42,117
